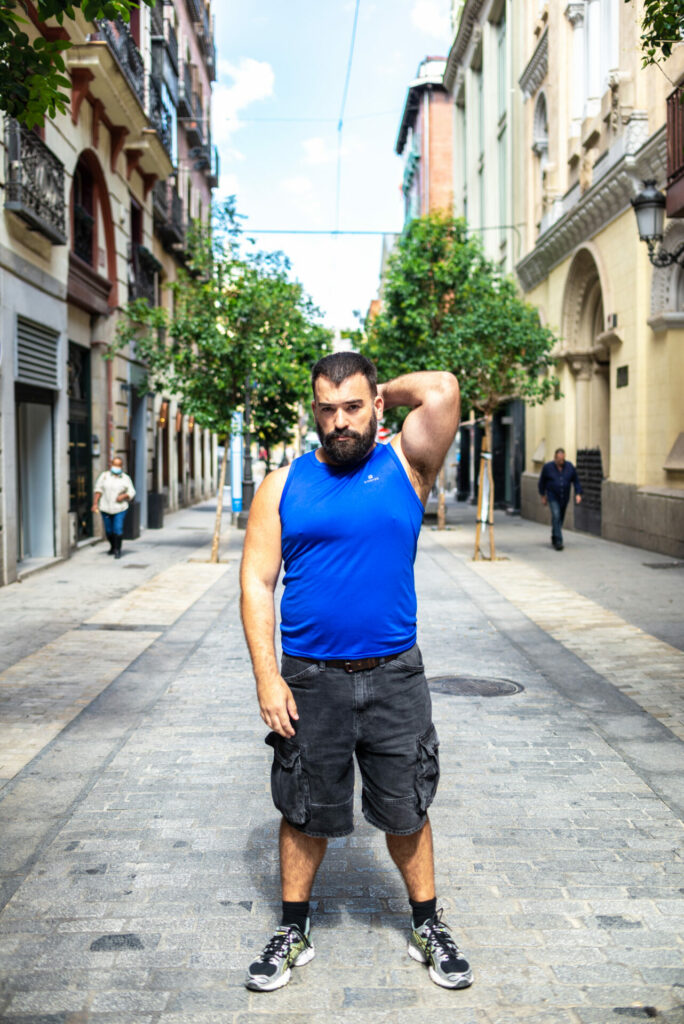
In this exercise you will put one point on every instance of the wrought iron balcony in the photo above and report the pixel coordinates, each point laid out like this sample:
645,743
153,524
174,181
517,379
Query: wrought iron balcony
675,153
186,107
160,116
167,208
172,44
195,9
194,126
120,41
34,182
143,270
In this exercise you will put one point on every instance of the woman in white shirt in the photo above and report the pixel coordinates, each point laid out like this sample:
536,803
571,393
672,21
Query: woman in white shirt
113,491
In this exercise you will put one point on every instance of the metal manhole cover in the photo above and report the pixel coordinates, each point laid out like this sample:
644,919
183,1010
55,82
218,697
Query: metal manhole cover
473,686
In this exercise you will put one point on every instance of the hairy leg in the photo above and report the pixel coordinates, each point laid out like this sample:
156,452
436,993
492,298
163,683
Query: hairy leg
300,857
414,858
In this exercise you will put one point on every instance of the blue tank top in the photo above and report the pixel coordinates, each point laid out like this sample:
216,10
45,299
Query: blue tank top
349,540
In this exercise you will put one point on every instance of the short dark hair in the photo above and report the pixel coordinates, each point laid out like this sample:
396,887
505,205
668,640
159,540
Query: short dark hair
558,450
340,365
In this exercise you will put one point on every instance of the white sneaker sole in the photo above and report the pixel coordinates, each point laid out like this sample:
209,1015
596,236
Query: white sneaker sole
463,981
256,986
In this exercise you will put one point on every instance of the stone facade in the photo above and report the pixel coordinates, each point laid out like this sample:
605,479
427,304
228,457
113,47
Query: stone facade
594,129
82,232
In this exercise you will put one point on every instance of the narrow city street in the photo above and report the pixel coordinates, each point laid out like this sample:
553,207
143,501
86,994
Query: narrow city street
138,860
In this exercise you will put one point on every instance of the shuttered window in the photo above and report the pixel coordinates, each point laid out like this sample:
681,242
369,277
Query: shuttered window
37,354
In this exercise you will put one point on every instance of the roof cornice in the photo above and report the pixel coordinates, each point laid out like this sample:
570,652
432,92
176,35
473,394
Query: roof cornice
408,118
469,18
601,204
537,67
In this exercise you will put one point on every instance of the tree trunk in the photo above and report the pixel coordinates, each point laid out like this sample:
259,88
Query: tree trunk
441,501
219,502
485,494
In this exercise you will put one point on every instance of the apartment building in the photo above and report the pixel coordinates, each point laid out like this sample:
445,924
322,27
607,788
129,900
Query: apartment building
94,213
596,127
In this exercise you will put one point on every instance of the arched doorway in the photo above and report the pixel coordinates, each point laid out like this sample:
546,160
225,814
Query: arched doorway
587,352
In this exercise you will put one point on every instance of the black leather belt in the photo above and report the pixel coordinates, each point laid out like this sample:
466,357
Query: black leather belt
360,665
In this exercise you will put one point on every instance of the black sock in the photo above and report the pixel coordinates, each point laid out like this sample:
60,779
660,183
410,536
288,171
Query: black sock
423,911
295,913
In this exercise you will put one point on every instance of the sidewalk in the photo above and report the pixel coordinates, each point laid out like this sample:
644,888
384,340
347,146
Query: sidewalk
138,852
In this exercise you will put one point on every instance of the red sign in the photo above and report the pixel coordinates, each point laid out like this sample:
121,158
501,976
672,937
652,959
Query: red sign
384,434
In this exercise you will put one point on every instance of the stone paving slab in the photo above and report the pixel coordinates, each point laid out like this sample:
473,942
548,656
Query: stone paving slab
558,863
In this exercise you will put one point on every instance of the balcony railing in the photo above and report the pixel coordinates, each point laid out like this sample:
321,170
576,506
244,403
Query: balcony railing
34,182
118,36
167,207
160,116
185,98
143,270
195,9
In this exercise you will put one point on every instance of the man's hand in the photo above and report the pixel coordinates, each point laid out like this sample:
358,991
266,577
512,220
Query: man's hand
544,499
277,705
95,507
578,499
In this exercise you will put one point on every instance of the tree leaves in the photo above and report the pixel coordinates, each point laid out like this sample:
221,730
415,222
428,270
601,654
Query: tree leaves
446,307
662,26
33,80
240,323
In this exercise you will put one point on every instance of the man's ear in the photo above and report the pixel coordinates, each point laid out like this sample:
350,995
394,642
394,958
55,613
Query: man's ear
379,405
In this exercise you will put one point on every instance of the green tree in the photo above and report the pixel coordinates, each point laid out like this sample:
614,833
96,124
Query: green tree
33,79
662,26
447,307
240,327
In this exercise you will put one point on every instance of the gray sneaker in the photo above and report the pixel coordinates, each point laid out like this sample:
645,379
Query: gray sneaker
287,947
433,944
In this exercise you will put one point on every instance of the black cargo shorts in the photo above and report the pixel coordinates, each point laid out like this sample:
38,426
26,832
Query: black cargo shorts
384,716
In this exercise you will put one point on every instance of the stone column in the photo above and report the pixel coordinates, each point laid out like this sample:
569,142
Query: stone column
574,12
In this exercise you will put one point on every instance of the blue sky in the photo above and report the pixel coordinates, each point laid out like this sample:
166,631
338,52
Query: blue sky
279,62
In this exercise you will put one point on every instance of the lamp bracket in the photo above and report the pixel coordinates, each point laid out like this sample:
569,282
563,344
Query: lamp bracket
663,258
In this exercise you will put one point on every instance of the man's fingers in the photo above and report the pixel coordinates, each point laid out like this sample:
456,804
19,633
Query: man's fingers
291,707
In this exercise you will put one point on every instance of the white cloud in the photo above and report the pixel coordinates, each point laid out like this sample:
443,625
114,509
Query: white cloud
432,18
229,184
299,185
318,150
239,85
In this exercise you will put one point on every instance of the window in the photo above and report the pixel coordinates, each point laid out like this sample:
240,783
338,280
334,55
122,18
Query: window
83,235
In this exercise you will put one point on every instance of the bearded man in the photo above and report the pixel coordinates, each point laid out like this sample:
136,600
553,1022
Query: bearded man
345,520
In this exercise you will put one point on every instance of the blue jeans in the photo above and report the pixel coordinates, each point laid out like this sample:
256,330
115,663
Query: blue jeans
114,522
557,517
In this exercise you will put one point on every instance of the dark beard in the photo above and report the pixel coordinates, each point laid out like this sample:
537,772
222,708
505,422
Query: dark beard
348,453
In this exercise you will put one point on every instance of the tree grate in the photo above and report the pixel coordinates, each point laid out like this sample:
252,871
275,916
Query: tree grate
474,686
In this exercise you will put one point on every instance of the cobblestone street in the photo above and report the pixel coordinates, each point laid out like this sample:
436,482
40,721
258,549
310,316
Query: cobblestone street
138,855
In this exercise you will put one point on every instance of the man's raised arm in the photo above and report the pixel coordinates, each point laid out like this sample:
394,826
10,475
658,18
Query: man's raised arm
258,577
434,399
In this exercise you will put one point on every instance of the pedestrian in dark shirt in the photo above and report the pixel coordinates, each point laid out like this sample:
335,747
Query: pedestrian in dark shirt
555,481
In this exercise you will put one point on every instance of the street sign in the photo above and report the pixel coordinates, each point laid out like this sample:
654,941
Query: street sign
384,434
236,456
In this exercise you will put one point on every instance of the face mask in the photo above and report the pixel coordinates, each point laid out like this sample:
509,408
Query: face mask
117,469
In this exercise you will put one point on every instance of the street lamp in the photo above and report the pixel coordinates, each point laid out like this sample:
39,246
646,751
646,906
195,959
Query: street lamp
649,207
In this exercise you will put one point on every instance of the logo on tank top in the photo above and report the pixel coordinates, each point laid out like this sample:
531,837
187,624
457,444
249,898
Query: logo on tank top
370,479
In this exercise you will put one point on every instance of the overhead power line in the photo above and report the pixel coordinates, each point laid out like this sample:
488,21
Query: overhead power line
311,120
340,123
306,231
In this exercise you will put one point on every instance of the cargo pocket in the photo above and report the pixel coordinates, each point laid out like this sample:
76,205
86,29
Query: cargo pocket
289,784
427,772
